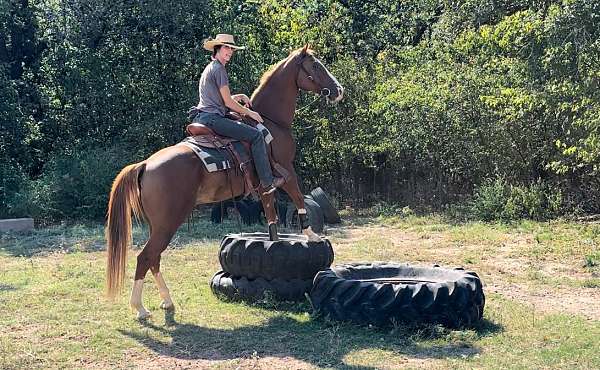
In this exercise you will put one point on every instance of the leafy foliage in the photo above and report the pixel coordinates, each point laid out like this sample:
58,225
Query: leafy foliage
442,97
499,200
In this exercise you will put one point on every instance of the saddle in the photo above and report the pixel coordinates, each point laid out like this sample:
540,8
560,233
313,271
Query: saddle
199,129
205,137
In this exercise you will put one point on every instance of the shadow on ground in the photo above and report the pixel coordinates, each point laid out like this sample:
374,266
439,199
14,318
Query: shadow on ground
90,238
319,342
7,287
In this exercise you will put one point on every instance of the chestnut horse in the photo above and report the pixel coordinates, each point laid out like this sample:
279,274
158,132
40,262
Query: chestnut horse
164,188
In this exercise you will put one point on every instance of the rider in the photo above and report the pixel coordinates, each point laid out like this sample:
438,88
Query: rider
216,100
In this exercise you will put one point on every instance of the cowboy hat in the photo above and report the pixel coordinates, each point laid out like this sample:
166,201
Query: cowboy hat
221,39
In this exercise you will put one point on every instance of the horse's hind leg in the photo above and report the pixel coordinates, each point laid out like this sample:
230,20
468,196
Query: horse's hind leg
149,258
163,290
168,197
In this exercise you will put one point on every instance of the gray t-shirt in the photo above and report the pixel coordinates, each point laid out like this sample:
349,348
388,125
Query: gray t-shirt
213,78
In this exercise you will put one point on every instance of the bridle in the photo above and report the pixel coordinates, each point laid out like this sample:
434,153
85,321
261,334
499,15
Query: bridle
324,90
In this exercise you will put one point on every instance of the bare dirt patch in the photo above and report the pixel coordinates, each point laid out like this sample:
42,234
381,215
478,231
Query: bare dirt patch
248,363
578,301
149,361
502,264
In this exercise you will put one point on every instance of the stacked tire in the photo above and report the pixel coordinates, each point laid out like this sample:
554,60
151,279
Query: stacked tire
254,267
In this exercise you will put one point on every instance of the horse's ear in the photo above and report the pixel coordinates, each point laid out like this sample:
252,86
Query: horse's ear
305,49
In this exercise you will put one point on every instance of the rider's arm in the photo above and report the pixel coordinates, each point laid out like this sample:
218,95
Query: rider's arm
235,106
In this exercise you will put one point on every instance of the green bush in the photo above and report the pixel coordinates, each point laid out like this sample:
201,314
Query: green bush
498,200
12,184
490,200
437,97
592,260
76,186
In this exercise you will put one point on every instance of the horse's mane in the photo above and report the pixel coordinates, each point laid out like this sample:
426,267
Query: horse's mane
269,73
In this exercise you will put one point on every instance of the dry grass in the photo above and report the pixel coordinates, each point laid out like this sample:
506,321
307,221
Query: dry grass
540,281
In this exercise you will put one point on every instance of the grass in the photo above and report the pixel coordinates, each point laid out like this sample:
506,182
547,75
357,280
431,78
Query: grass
55,314
592,260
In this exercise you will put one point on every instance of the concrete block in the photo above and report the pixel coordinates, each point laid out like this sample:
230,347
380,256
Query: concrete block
16,224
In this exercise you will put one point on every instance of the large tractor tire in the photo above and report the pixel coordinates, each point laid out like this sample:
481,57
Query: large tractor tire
329,212
242,288
381,293
313,212
291,257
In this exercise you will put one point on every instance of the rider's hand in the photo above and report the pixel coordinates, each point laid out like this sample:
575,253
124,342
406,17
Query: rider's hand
244,100
255,116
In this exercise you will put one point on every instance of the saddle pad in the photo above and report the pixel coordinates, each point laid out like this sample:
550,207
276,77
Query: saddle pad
219,159
216,159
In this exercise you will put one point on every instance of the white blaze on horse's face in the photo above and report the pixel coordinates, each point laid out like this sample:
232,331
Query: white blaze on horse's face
337,90
319,80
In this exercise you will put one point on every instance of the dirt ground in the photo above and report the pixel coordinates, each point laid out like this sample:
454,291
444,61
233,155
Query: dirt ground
501,266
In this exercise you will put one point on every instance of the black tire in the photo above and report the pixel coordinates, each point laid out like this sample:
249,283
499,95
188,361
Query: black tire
217,214
411,294
281,208
330,214
313,211
242,288
242,209
248,212
253,212
291,257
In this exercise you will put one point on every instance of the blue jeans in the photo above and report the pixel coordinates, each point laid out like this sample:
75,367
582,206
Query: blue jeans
240,131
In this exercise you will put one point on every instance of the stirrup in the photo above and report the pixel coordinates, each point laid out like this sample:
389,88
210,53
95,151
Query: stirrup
270,190
277,183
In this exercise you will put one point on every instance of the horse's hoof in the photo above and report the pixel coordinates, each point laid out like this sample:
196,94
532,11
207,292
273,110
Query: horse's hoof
311,235
168,306
143,315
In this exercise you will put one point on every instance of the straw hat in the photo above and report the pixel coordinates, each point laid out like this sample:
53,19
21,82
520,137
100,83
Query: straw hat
221,39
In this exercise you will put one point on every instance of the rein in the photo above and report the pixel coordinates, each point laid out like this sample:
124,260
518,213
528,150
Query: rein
296,111
311,103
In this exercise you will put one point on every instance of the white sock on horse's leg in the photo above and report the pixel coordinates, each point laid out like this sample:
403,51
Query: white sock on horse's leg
163,291
136,300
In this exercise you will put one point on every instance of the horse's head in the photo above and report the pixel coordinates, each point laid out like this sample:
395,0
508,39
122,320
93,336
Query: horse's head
313,76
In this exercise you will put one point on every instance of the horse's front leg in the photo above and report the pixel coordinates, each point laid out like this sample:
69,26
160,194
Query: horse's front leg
268,202
293,189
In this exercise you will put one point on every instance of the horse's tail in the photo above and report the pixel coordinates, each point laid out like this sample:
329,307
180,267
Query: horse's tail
124,198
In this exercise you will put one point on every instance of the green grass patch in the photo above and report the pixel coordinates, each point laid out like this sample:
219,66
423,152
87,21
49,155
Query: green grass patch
592,260
55,314
591,283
